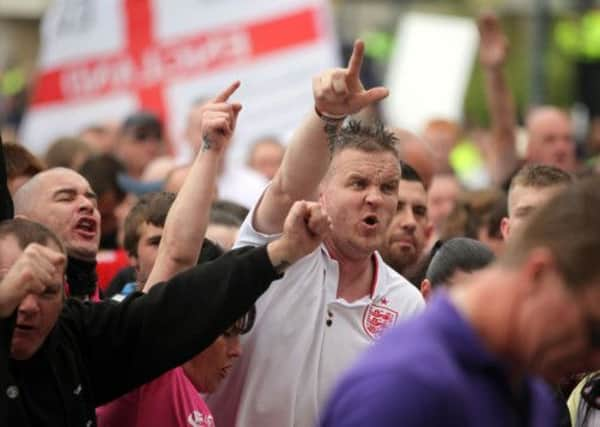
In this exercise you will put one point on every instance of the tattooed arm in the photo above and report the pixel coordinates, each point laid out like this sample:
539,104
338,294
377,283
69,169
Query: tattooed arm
187,220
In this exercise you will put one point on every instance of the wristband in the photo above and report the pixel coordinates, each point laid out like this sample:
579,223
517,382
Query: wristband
329,118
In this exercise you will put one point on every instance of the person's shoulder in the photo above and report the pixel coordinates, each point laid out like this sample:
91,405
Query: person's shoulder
72,313
121,411
390,278
401,294
410,346
170,383
391,382
542,392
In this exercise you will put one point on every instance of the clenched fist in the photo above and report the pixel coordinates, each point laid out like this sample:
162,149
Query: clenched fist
305,227
35,270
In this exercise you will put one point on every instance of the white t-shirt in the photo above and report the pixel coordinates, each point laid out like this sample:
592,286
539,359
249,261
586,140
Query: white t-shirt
304,338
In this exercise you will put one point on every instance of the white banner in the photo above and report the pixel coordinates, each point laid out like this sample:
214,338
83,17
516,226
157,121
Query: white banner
429,69
103,59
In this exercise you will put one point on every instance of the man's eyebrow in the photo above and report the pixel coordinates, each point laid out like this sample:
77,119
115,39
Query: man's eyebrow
355,174
91,195
67,191
524,209
73,192
54,286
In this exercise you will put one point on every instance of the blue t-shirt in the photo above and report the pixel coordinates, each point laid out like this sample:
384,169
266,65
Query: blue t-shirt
433,370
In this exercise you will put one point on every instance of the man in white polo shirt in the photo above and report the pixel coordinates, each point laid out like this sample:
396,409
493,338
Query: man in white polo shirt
341,297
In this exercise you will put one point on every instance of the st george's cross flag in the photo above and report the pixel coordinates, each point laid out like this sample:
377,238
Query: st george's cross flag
103,59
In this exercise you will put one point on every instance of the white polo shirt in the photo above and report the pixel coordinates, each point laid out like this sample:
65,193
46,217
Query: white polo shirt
304,337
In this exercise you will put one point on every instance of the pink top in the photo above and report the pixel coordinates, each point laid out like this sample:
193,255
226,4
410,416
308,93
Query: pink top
169,400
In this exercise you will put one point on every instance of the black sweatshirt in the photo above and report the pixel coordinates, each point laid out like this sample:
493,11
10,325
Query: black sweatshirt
97,352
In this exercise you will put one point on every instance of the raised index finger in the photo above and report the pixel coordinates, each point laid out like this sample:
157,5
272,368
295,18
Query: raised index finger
356,59
224,96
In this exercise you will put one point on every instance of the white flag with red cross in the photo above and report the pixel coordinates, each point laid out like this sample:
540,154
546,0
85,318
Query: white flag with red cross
103,59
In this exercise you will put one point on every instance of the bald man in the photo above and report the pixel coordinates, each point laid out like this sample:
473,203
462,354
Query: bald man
551,139
417,153
62,200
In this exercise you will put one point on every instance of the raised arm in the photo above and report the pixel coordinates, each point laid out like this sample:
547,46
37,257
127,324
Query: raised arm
493,51
337,93
187,219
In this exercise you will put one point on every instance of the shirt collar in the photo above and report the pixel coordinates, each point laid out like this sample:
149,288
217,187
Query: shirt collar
377,262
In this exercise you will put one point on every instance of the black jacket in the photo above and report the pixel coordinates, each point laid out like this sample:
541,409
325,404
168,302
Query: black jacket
97,352
6,203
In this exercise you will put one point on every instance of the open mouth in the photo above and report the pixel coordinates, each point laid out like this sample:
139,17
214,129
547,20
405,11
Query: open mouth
87,226
371,220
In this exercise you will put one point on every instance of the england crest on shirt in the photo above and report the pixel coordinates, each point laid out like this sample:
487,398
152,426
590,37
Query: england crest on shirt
377,319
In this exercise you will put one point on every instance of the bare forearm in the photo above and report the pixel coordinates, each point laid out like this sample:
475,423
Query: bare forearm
303,167
503,123
307,160
500,102
185,225
187,220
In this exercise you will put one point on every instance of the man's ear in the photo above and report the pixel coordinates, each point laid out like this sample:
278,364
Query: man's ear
426,289
133,261
428,230
505,227
538,266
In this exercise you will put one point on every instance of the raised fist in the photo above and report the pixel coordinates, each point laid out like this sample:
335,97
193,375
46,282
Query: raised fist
35,270
305,228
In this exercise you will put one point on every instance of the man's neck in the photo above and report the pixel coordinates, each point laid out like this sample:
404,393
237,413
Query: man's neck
493,322
81,277
356,275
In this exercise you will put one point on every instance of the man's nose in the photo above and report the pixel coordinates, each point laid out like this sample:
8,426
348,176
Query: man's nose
373,196
85,204
29,305
409,222
234,347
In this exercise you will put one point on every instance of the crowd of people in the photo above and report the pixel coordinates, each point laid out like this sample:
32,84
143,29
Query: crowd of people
353,277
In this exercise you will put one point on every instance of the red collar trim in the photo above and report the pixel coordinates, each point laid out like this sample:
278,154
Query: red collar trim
375,263
375,274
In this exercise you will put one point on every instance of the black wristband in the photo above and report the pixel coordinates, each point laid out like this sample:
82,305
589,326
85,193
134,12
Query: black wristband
329,119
